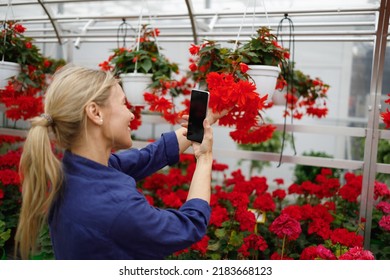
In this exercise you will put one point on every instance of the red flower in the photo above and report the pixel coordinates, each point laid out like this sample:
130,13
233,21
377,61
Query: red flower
193,67
243,67
253,241
194,50
171,200
381,190
344,237
264,202
219,166
279,194
384,207
276,256
384,223
357,253
317,252
284,225
320,227
246,219
279,181
201,246
28,45
9,177
19,28
219,215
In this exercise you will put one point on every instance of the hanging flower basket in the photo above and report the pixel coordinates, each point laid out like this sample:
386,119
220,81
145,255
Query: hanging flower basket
135,85
7,71
264,77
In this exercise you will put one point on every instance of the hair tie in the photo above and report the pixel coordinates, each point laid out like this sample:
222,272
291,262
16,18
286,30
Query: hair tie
48,118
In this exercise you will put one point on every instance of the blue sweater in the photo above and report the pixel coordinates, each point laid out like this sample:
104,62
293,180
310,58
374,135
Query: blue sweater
101,215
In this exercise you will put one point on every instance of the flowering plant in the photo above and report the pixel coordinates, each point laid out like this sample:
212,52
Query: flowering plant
249,221
263,49
23,96
16,47
222,72
386,115
148,59
10,192
304,95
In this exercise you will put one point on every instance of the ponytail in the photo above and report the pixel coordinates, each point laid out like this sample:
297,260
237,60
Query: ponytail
41,175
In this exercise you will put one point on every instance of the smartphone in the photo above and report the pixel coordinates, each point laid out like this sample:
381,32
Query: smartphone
198,111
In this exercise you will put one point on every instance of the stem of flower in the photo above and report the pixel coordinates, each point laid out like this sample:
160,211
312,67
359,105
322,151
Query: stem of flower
284,243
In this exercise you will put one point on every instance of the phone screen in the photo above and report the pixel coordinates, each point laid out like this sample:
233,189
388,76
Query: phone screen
198,111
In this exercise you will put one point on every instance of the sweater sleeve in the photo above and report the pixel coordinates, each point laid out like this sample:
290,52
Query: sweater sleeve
141,163
152,233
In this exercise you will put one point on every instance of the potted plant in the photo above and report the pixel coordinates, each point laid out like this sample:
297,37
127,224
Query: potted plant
221,71
264,57
22,95
16,51
304,96
141,66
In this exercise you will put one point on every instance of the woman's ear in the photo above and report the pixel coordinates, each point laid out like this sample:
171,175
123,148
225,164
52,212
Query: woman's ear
94,113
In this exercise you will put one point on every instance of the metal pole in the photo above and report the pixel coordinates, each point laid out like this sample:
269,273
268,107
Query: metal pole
372,138
192,19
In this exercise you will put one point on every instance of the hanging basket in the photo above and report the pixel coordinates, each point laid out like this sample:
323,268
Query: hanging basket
135,85
7,71
265,78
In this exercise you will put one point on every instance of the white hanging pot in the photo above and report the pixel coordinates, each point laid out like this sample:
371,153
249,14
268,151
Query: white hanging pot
264,77
7,71
135,85
279,97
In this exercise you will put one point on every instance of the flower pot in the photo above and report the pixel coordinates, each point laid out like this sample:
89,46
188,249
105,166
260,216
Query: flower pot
134,85
265,78
279,97
8,70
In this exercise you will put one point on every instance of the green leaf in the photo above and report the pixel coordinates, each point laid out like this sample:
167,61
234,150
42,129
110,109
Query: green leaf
146,65
220,233
236,239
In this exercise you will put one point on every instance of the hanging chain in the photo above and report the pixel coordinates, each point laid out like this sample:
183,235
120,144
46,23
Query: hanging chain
123,28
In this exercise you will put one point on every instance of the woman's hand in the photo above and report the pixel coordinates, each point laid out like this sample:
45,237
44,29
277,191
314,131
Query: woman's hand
206,147
213,117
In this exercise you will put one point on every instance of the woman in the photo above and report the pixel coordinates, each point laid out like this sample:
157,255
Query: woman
90,198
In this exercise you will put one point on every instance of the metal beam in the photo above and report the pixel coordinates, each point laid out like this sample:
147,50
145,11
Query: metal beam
56,27
371,145
193,21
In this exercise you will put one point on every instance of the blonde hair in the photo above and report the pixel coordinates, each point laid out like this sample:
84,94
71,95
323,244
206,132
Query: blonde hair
71,90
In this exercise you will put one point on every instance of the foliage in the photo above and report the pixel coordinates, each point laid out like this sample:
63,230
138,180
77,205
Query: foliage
146,57
10,193
211,57
22,96
16,47
222,71
304,95
263,49
4,234
250,222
